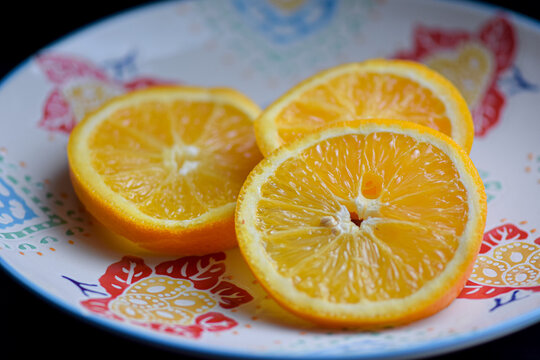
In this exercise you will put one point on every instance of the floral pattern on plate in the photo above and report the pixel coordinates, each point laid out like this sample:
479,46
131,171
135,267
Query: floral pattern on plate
79,87
473,61
184,297
509,259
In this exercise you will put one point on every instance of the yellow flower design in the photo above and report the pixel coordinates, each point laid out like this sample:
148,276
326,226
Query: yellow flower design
164,300
515,264
470,67
87,95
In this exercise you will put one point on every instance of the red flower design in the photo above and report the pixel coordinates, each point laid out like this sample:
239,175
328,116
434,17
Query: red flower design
185,306
203,272
191,331
100,306
60,69
507,261
119,276
496,36
214,321
57,114
230,295
506,232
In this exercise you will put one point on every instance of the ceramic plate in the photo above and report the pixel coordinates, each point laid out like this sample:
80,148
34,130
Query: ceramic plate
211,305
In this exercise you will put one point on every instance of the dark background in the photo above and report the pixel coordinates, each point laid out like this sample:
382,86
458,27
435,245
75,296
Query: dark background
31,327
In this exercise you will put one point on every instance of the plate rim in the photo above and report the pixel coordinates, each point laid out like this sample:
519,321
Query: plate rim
431,348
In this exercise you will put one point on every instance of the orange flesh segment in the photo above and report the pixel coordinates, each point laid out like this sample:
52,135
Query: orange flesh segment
362,95
175,160
410,217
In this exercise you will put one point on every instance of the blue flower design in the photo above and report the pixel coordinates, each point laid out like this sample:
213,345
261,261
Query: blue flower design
282,25
13,209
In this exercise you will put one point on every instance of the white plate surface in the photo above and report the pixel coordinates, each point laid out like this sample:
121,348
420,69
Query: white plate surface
262,48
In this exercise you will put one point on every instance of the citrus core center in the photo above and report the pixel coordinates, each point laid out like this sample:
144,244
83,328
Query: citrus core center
184,158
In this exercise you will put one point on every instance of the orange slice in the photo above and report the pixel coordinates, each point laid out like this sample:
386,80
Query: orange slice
375,88
365,223
163,166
